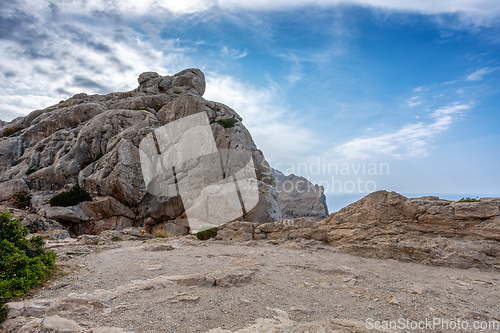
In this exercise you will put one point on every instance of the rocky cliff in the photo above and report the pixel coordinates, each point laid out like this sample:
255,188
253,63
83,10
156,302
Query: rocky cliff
427,230
299,197
145,156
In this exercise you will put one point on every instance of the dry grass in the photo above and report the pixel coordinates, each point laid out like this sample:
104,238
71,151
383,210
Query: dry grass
162,233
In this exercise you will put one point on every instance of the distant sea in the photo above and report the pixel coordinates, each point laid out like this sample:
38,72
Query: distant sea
337,201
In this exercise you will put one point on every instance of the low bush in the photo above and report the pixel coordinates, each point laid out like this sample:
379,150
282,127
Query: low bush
24,263
468,199
21,199
70,198
158,107
11,130
206,232
227,123
30,171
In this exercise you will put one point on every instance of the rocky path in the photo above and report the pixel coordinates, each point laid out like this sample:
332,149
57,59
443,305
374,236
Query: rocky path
186,285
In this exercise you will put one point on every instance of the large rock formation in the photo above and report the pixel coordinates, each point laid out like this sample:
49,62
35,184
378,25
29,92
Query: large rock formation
299,197
109,146
428,230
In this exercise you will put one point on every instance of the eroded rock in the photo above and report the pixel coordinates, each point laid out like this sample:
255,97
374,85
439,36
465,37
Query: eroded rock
427,230
94,141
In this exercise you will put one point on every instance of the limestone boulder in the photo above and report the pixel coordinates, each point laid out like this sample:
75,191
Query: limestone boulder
9,188
188,81
94,141
427,230
299,197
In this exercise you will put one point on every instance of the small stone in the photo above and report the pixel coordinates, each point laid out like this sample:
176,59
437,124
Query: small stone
60,325
394,301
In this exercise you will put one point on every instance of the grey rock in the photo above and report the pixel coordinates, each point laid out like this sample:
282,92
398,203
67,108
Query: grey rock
94,141
237,231
428,230
299,197
56,324
145,77
11,187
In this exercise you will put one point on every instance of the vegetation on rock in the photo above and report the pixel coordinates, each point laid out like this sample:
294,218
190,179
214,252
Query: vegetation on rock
30,171
162,233
206,232
70,198
158,107
21,199
11,130
469,199
24,263
227,123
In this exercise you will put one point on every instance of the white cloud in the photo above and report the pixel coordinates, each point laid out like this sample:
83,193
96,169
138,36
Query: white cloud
272,128
411,141
485,7
19,105
233,53
480,73
414,101
134,7
57,59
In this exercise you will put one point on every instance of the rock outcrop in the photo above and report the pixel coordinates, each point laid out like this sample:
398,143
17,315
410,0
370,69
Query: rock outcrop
299,197
427,230
101,142
303,228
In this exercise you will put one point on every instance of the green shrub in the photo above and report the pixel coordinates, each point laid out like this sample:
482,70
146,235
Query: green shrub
21,199
227,123
11,130
145,109
89,161
468,199
70,198
206,232
24,263
158,107
30,171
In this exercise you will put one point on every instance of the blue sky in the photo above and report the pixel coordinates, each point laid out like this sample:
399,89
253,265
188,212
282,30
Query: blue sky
356,95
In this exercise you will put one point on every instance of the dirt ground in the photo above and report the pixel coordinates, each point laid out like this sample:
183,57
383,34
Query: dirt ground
186,285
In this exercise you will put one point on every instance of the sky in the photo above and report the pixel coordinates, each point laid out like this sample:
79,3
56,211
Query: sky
356,95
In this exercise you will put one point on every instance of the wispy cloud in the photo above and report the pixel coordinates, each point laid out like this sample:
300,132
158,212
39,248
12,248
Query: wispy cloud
233,53
411,141
414,101
51,56
485,7
480,73
273,128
